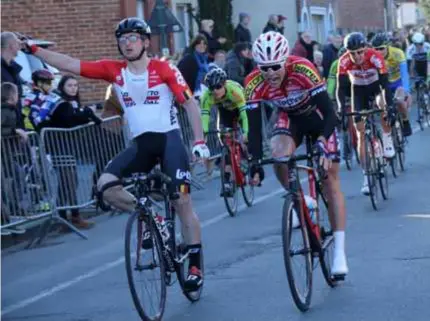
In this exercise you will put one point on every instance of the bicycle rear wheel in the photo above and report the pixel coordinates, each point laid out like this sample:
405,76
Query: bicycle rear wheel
182,272
231,198
372,172
302,292
137,266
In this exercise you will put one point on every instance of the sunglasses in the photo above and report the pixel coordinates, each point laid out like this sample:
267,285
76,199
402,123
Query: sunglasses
47,82
132,39
217,87
357,52
273,67
380,48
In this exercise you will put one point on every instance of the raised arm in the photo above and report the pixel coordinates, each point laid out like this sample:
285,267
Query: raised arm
55,59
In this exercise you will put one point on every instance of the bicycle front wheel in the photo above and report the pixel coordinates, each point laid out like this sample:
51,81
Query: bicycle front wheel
372,172
247,187
231,195
145,268
297,259
382,172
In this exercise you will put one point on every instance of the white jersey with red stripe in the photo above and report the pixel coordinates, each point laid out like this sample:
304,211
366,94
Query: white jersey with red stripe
147,99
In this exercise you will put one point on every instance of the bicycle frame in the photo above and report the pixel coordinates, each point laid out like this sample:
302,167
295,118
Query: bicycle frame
230,140
315,188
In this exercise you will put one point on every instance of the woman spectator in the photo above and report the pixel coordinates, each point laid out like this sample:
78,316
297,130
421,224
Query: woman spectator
194,65
214,44
62,109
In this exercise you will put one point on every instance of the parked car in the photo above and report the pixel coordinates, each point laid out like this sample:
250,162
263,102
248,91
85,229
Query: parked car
30,63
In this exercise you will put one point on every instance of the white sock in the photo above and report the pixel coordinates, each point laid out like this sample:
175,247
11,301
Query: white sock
339,241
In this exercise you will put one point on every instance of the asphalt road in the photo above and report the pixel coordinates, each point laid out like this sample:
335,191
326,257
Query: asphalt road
388,252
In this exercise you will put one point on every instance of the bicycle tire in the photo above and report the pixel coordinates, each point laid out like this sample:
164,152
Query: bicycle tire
327,244
302,302
401,155
370,169
347,149
394,161
382,172
420,108
129,267
181,272
231,208
247,197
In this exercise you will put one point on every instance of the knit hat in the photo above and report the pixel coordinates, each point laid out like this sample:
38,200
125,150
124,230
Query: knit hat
242,16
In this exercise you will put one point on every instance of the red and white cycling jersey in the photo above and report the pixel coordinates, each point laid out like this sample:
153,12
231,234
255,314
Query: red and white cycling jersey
365,74
302,81
146,99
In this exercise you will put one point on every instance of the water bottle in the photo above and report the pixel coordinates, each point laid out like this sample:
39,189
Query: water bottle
161,224
312,206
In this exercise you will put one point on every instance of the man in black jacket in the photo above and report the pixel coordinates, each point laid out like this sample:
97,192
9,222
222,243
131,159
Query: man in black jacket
242,32
237,62
10,46
330,53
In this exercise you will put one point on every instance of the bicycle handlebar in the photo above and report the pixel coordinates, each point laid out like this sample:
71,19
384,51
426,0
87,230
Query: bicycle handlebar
365,112
135,179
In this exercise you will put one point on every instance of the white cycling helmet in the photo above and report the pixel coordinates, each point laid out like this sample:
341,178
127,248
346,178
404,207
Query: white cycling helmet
270,48
418,37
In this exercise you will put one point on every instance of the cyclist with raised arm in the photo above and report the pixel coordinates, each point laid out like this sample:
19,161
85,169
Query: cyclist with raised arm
398,76
294,87
145,88
363,71
228,97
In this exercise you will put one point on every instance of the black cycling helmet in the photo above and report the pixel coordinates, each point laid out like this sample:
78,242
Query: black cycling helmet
380,40
354,41
43,75
341,51
215,78
134,24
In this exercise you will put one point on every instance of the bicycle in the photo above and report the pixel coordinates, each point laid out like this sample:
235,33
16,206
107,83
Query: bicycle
234,153
375,162
313,226
399,141
423,108
349,140
167,253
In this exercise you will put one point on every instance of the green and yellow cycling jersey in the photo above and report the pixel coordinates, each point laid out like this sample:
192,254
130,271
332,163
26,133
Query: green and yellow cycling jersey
332,79
233,100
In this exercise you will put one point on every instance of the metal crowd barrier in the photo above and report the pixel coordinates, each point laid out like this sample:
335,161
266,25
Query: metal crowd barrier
24,186
78,156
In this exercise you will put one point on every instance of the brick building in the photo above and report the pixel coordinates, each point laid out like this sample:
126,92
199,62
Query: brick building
317,16
85,28
369,15
324,16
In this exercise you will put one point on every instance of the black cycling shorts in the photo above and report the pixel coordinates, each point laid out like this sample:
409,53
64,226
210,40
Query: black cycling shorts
298,127
149,149
362,96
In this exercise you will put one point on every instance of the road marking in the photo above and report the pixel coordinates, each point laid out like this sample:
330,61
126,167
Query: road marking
110,265
61,286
